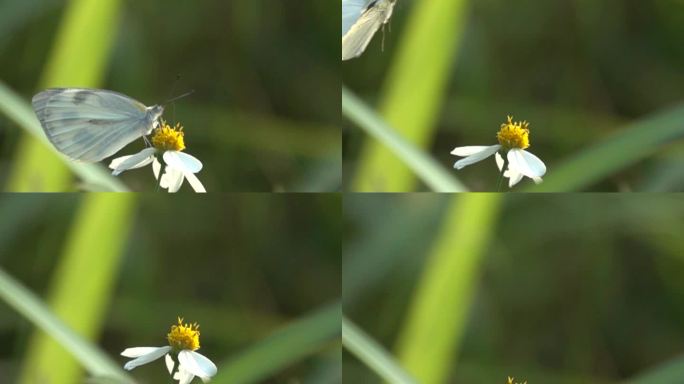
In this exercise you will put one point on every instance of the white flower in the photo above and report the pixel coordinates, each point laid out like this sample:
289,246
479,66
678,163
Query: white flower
514,138
179,165
183,341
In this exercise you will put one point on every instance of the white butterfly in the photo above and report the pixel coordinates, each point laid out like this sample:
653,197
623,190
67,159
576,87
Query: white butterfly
92,124
360,22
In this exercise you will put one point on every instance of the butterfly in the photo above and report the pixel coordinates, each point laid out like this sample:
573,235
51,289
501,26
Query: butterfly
360,22
92,124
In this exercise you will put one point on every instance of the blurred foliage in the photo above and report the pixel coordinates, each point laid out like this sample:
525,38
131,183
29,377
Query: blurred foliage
243,266
82,284
265,109
570,289
577,70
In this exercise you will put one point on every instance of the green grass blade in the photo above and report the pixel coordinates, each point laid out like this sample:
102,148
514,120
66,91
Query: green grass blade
431,172
372,354
284,347
668,372
83,283
632,144
414,89
19,111
430,337
78,59
33,309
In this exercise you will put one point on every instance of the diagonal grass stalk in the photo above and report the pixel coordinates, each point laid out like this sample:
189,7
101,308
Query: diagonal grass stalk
33,309
431,172
284,347
633,143
372,354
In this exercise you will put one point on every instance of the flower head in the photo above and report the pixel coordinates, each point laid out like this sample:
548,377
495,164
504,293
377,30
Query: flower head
514,135
178,166
184,336
510,381
514,138
183,341
166,138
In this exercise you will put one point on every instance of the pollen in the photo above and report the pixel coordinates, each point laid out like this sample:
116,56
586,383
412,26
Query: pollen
184,336
514,134
166,138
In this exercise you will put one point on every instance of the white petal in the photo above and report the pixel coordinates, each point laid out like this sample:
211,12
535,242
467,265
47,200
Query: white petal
138,160
183,161
526,163
195,183
139,351
172,179
196,364
144,355
484,153
156,168
183,376
513,178
170,364
468,151
499,162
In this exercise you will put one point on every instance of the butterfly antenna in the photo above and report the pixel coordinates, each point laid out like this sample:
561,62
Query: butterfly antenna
190,92
171,100
175,82
173,89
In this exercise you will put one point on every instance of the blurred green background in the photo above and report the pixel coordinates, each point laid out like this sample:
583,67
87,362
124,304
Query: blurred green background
265,74
546,288
583,73
259,273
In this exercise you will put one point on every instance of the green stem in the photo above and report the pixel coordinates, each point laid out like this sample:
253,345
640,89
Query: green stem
501,176
176,366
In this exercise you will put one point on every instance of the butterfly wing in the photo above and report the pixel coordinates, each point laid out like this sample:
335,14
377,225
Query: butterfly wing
90,124
355,41
351,10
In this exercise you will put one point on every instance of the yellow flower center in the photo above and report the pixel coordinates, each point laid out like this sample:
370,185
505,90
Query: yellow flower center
510,381
514,135
166,138
184,336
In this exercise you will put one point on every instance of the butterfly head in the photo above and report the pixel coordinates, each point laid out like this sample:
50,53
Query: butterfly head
153,114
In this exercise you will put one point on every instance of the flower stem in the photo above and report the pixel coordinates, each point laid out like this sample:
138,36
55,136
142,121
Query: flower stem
501,176
176,366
